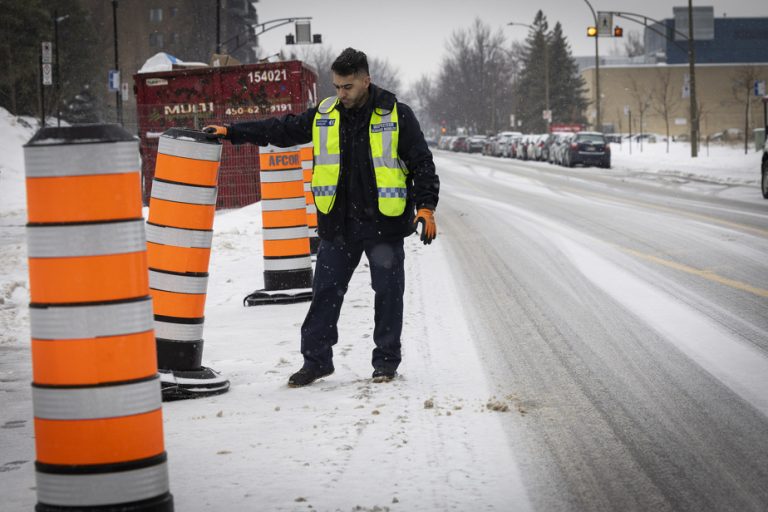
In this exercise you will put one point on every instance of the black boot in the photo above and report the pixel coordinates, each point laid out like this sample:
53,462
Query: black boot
383,375
308,375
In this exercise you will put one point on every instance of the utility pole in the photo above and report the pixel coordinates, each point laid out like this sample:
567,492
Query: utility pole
218,26
692,70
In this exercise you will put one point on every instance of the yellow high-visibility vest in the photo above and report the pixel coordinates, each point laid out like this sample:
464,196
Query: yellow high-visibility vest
390,171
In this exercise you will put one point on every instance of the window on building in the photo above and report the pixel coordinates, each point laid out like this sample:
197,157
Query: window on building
173,11
175,38
155,15
156,40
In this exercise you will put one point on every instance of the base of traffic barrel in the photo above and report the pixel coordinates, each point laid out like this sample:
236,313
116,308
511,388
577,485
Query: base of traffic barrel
163,503
262,297
314,245
186,384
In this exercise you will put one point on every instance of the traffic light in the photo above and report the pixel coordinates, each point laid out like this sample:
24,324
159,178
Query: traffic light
591,31
618,31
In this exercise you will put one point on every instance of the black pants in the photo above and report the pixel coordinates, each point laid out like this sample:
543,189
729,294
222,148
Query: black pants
334,268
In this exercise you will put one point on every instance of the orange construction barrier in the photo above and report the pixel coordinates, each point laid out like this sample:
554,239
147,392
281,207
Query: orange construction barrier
307,164
95,391
287,262
179,235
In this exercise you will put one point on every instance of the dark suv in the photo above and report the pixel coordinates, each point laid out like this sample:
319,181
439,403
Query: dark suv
588,148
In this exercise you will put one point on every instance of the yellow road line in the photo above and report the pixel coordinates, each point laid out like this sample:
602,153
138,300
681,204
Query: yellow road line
706,274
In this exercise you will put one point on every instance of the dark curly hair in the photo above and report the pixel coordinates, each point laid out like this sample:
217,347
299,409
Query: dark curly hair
350,62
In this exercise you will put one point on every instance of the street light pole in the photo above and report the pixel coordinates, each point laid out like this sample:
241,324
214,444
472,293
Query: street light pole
598,123
546,69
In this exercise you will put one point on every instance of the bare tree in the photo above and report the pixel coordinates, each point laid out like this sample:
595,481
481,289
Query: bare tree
665,98
320,57
741,85
633,44
642,99
384,74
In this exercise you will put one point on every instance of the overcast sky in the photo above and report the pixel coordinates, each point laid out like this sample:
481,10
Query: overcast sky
411,34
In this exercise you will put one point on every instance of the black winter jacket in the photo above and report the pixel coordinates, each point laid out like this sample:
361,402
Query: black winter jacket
355,214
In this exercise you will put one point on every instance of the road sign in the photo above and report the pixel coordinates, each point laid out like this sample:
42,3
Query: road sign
113,81
546,115
605,24
47,52
759,87
626,110
124,91
512,120
47,73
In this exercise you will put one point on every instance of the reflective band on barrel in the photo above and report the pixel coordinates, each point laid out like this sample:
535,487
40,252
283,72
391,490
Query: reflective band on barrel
178,332
324,159
81,159
96,402
86,239
183,193
274,205
102,489
198,239
283,234
311,208
282,176
177,283
189,149
392,192
79,322
301,263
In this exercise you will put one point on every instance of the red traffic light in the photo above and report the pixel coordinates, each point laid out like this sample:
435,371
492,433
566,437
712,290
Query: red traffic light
618,31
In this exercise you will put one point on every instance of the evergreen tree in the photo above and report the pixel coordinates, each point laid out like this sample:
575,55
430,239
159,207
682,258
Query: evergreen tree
530,90
567,91
82,108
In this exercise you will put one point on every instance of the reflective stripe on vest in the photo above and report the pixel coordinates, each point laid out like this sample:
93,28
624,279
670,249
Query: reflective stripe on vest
389,170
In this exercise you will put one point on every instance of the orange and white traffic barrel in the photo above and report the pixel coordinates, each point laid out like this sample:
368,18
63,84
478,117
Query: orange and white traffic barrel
182,206
95,391
287,260
307,165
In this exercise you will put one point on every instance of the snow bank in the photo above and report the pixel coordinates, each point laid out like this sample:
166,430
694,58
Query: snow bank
718,164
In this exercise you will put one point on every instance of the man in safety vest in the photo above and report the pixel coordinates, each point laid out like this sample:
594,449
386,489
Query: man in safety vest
374,182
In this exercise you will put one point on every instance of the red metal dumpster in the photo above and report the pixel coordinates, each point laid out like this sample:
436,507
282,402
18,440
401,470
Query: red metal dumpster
193,98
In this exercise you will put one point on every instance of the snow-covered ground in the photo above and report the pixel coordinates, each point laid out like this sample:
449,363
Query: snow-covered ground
430,440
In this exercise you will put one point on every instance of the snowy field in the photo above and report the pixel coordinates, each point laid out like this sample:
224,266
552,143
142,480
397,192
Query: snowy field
430,440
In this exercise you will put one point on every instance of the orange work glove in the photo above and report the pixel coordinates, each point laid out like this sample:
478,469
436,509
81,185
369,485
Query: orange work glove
215,132
426,218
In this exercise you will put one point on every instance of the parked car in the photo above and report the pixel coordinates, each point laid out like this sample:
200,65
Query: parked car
541,147
588,148
475,143
510,150
558,149
521,147
459,143
489,145
503,142
764,180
